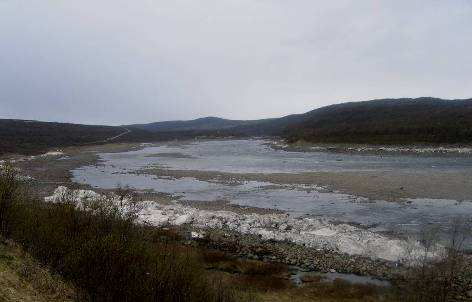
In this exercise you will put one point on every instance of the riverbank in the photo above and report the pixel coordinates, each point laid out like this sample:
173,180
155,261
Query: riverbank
313,244
266,238
392,149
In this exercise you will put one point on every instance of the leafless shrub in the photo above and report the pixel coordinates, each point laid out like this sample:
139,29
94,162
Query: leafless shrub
124,192
438,274
128,201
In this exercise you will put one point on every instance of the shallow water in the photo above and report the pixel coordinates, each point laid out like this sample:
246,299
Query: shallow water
254,156
297,276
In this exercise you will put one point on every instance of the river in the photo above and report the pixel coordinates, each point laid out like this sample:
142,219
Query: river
245,157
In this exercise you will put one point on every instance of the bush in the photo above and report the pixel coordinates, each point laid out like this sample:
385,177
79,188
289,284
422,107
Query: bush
9,192
105,254
443,277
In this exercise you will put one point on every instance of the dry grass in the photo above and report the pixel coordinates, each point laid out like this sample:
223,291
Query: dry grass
24,279
277,288
336,291
248,274
270,282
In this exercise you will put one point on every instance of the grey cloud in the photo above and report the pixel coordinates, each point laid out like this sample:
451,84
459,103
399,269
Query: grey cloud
136,61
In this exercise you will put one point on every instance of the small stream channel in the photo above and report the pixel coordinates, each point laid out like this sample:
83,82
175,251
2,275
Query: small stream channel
299,276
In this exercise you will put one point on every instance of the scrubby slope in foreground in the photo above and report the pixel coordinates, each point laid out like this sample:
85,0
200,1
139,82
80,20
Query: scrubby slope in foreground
23,279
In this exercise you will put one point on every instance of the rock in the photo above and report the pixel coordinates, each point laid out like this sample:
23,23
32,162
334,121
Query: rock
196,235
182,219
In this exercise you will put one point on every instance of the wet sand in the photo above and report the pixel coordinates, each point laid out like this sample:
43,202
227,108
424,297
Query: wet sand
391,186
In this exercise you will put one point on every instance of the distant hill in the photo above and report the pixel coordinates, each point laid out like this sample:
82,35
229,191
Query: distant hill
384,121
388,121
212,126
32,137
200,124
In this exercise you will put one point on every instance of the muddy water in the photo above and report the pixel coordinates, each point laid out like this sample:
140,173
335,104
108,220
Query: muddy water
254,156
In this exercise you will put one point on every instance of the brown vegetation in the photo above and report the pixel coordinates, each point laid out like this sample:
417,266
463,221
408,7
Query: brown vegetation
22,278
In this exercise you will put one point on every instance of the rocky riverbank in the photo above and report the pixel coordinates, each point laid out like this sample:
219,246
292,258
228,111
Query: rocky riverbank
310,243
453,150
306,258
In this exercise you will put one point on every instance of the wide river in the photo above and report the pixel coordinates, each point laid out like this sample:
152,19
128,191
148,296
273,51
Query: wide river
243,157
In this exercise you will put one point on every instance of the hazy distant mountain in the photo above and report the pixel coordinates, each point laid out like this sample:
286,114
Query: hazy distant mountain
427,120
215,125
205,123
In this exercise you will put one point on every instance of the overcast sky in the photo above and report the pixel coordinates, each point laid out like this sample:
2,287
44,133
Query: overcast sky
117,62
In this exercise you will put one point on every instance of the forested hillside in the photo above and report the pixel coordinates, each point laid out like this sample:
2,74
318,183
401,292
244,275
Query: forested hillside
388,121
30,137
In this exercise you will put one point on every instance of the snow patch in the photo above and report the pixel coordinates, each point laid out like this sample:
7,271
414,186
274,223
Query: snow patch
197,235
53,153
63,194
319,233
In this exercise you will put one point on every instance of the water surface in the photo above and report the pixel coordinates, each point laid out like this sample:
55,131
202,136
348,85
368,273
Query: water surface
254,156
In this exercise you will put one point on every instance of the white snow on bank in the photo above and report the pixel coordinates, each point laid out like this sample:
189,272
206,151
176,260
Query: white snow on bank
387,149
33,157
64,194
88,200
52,153
317,233
419,150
